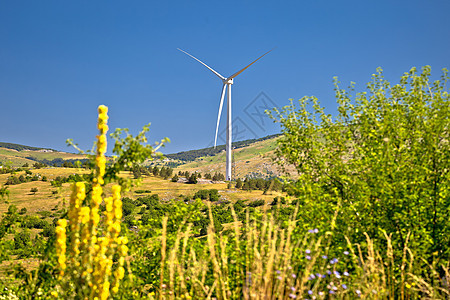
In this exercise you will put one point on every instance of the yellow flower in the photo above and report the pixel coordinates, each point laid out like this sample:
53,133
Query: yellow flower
95,216
116,191
62,222
116,227
102,109
84,214
122,240
120,272
105,291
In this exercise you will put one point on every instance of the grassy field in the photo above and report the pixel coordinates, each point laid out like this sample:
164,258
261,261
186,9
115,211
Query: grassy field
45,200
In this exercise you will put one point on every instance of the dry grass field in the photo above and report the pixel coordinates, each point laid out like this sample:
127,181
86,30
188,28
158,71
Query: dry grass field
45,199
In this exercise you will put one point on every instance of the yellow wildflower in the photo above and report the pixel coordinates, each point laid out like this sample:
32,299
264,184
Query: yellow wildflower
84,213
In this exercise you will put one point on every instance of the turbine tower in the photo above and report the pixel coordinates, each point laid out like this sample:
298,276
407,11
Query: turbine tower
227,82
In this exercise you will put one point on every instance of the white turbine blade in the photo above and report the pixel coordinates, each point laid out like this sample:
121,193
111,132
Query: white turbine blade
212,70
239,72
220,112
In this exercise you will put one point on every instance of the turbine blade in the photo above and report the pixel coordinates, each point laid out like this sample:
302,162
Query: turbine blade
220,112
212,70
239,72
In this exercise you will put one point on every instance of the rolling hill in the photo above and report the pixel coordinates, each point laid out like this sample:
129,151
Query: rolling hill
252,158
17,155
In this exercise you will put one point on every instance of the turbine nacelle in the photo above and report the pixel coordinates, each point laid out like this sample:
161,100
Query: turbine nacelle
228,81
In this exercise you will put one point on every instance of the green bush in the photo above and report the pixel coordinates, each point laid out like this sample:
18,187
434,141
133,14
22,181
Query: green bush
22,240
380,166
256,203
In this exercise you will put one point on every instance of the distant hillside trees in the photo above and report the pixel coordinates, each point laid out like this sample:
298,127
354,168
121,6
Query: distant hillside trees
238,183
218,177
193,178
175,178
165,172
13,180
265,185
21,147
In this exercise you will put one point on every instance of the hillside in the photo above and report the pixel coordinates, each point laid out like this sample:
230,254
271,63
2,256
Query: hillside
17,155
211,151
252,160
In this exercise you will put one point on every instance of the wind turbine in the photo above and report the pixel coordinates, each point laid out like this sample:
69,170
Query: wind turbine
227,81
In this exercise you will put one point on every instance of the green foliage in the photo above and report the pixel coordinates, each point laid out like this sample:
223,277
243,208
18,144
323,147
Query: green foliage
128,206
256,203
175,178
193,179
218,177
22,240
211,195
381,165
4,192
142,191
238,183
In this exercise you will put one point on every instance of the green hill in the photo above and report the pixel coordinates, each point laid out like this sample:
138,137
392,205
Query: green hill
191,155
252,159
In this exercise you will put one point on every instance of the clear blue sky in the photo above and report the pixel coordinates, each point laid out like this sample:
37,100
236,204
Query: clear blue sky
60,59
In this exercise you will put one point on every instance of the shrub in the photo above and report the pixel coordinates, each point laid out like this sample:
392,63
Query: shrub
256,203
22,240
380,165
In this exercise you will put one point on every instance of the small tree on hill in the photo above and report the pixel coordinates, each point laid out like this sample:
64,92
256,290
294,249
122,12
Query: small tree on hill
238,183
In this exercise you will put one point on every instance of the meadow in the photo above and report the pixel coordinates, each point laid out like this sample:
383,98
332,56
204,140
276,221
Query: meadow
362,212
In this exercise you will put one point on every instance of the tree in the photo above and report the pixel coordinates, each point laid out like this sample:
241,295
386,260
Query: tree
193,179
33,190
380,165
155,171
4,193
238,183
175,178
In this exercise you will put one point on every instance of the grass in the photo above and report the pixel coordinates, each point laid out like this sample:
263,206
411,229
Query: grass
44,199
263,260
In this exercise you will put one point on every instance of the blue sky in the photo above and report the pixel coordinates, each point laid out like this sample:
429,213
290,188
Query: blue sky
60,59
